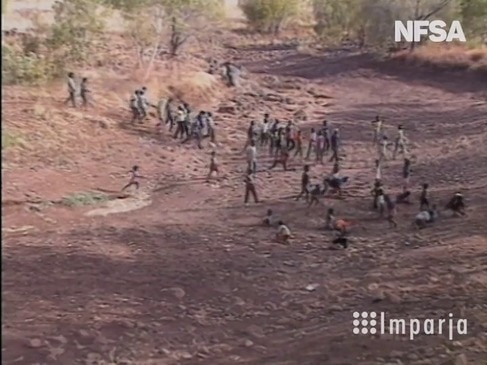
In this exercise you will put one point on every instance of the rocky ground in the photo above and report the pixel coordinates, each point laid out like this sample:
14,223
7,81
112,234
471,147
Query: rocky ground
190,277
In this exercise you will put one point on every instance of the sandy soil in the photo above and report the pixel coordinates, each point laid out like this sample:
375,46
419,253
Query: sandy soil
192,278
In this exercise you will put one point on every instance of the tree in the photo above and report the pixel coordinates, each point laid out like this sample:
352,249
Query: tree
153,23
371,22
77,23
45,53
270,16
474,18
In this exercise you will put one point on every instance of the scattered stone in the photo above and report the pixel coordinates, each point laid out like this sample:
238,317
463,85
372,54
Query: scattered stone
256,331
461,360
61,339
84,333
35,343
312,287
248,343
179,293
396,353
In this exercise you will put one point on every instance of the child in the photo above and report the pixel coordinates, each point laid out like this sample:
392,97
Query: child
304,184
406,172
403,198
270,219
283,233
134,176
213,166
315,195
426,216
378,170
391,211
456,204
330,219
423,199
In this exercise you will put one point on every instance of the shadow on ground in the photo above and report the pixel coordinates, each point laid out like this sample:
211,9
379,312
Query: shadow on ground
335,63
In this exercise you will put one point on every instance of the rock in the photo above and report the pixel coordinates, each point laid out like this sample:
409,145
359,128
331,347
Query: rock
93,359
84,333
256,331
55,352
227,109
312,287
35,343
103,124
61,339
248,343
179,293
396,353
273,98
393,298
413,357
461,360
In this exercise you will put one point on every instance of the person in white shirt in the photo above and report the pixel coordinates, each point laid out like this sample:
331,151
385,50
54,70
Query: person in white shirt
400,145
180,121
383,148
312,143
72,90
381,203
426,216
252,157
264,131
378,170
377,124
283,233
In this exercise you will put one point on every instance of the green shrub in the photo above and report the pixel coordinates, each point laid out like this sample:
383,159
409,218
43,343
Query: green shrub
20,68
270,16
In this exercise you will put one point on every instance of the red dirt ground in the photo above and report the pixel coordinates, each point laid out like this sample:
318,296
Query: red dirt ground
192,278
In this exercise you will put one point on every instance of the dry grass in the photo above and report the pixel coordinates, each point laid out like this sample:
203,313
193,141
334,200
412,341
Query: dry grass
448,57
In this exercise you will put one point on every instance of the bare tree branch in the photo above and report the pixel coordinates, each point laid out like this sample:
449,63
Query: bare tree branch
438,8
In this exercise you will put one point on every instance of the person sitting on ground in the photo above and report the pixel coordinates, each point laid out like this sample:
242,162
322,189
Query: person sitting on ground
403,198
283,233
270,219
456,204
339,225
426,217
339,241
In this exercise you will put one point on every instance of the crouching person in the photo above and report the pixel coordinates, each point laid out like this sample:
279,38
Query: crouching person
283,234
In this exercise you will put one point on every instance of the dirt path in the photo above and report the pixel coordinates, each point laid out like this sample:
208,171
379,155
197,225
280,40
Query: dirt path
191,279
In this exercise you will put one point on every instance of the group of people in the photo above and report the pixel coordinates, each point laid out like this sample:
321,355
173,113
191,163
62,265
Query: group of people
281,139
383,202
76,89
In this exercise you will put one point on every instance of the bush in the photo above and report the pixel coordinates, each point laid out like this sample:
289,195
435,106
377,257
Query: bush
19,68
270,16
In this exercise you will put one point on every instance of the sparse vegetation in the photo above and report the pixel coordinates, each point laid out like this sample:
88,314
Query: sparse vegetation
44,54
452,57
85,199
10,140
371,22
270,16
154,26
157,27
